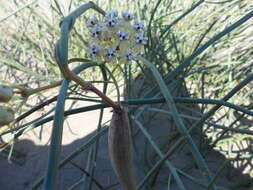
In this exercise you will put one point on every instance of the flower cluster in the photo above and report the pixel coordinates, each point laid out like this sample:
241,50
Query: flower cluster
6,113
116,38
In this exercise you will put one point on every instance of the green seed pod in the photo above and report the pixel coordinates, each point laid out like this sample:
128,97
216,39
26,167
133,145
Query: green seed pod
6,93
119,142
6,115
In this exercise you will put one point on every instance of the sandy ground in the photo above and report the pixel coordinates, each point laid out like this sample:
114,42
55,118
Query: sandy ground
25,170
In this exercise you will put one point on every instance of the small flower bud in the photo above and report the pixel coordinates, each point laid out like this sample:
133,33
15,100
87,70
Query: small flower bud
111,21
139,26
140,39
6,93
127,16
122,35
110,54
93,50
96,31
129,56
6,115
92,21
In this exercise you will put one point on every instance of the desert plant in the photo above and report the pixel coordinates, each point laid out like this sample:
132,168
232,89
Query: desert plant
210,56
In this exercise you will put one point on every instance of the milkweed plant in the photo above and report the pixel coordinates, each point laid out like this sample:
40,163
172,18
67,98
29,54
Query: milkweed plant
118,38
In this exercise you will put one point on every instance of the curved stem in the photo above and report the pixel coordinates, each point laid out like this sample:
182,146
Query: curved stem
29,92
88,86
130,102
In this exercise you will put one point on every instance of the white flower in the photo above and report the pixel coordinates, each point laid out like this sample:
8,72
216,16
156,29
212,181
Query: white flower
93,51
127,16
140,39
6,93
123,35
92,21
116,38
110,53
129,56
139,26
96,31
111,21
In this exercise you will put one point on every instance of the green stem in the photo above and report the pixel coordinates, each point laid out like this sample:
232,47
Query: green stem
179,122
128,102
56,139
28,92
73,154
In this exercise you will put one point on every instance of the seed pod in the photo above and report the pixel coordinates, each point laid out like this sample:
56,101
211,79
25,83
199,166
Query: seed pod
6,115
119,142
6,93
